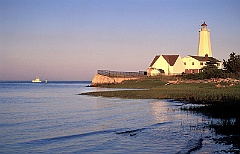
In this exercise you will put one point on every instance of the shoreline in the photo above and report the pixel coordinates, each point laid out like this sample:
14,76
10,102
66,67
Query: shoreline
216,99
204,91
221,102
196,93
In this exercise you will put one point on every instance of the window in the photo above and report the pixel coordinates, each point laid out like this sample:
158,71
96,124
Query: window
192,63
184,63
201,63
218,64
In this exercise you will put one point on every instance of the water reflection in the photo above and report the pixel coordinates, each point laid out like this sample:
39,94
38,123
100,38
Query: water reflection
167,110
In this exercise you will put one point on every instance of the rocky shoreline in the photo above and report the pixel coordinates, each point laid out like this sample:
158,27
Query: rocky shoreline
220,82
99,79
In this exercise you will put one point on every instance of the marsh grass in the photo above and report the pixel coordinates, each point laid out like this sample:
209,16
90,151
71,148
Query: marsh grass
224,110
142,83
230,132
155,88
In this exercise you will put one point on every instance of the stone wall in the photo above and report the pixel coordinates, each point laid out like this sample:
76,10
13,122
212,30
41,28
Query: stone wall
101,79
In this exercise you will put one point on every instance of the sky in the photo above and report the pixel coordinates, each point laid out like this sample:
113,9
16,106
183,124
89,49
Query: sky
72,39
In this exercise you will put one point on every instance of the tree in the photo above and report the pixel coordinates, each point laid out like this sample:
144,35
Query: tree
210,71
232,65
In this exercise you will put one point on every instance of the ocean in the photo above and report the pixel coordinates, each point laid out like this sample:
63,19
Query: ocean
53,118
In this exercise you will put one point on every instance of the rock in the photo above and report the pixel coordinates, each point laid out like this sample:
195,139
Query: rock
102,79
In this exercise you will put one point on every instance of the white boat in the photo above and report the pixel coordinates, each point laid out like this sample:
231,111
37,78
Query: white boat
36,80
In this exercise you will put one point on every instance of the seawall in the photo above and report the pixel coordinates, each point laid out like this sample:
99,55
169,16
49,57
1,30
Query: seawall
102,79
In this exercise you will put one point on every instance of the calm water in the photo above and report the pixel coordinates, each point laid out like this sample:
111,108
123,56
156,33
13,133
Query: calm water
52,118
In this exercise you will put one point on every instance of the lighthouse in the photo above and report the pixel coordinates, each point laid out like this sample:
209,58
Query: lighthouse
204,44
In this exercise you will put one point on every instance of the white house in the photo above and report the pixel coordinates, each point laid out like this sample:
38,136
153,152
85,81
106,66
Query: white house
194,64
166,65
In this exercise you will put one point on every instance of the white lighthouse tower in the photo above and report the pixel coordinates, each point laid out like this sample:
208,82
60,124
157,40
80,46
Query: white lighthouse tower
204,44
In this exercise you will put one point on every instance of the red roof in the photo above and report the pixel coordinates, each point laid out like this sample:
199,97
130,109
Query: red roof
204,24
205,58
154,60
171,59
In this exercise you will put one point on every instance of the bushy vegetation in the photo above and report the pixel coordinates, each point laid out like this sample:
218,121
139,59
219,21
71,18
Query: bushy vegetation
232,65
231,69
207,73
